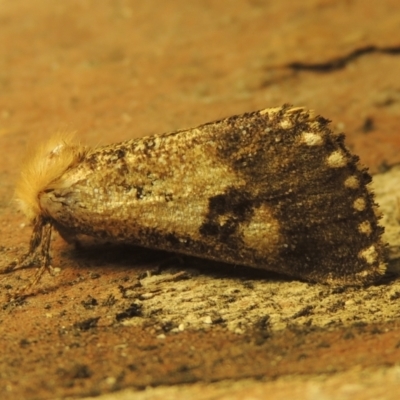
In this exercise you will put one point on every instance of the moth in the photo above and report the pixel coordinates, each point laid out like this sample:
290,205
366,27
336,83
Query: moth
273,189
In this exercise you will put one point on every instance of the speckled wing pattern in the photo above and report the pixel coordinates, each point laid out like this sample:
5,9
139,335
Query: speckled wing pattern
273,189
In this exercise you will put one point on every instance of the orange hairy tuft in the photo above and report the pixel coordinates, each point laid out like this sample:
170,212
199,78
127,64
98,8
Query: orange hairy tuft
47,163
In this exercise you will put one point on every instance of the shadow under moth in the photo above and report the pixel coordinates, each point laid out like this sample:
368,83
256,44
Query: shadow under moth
273,189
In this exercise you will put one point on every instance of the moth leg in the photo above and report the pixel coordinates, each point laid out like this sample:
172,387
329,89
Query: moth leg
38,253
44,254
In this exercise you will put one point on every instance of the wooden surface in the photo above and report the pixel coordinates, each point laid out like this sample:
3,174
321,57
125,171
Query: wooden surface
127,318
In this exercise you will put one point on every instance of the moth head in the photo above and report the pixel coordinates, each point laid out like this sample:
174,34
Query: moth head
46,164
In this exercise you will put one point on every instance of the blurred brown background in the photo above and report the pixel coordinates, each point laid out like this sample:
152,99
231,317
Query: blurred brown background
116,69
